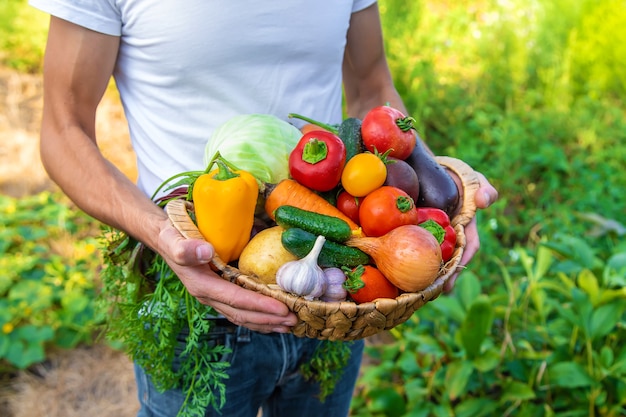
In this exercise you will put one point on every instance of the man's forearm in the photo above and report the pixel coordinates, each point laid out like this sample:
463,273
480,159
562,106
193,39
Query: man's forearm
74,162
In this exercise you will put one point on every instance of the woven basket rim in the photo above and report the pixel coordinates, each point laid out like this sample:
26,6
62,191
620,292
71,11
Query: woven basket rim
320,324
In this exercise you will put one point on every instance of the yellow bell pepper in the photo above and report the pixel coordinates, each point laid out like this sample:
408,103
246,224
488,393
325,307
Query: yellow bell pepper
225,202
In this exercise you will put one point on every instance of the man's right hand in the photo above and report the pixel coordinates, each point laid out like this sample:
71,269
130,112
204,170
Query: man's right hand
189,259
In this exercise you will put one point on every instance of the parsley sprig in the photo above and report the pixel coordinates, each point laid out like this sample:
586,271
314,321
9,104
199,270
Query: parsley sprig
146,315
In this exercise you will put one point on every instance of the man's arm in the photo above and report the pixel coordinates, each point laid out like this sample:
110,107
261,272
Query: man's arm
366,76
77,68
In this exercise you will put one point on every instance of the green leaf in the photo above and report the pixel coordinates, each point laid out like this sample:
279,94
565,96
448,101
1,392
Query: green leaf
476,325
621,391
608,296
517,391
467,289
457,377
604,319
416,391
68,337
588,282
615,270
584,311
606,357
5,343
23,353
575,249
422,411
487,360
34,334
386,401
408,363
476,407
543,262
619,364
449,307
74,302
569,375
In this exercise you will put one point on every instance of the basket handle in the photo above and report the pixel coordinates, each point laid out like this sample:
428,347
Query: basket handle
178,212
470,184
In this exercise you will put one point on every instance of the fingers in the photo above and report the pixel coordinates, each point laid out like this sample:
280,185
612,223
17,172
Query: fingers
182,251
487,194
244,307
471,248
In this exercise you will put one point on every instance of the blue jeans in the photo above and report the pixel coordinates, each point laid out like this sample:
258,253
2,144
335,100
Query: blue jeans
264,374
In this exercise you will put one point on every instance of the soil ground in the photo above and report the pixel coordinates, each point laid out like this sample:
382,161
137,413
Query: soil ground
87,381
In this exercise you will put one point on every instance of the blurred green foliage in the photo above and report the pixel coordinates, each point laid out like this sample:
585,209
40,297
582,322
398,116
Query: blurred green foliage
546,341
531,93
48,267
23,31
528,92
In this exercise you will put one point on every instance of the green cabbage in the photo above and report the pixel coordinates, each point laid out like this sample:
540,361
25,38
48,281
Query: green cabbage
257,143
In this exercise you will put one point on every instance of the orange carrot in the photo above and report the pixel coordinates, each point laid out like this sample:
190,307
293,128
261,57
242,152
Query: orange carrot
290,192
309,127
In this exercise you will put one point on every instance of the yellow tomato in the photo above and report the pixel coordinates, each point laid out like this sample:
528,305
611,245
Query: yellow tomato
363,173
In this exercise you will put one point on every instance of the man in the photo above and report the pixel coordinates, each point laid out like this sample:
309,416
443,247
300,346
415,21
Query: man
182,69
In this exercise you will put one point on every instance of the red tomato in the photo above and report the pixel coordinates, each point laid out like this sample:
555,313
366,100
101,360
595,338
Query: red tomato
385,128
366,283
385,209
349,205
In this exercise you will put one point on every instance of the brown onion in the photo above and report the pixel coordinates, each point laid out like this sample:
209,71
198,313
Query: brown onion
409,256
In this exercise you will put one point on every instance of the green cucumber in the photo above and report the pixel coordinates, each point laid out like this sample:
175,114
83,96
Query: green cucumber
330,227
300,242
350,134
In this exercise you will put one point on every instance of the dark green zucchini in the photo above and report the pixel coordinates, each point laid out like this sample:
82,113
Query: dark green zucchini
349,132
300,242
330,227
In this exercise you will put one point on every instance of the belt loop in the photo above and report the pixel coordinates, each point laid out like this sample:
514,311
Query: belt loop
243,334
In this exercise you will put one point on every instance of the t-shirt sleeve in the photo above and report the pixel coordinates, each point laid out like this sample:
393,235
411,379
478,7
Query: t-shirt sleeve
97,15
359,5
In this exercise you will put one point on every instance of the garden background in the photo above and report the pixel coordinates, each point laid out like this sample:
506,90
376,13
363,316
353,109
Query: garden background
530,92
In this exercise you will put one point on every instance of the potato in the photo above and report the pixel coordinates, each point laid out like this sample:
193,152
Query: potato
264,254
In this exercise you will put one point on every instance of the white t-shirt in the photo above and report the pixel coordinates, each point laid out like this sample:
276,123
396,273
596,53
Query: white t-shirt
185,67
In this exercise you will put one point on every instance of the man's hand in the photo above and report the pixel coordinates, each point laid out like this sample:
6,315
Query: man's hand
485,196
189,259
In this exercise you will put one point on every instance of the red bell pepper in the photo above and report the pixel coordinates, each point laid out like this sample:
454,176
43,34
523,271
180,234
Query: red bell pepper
437,222
318,160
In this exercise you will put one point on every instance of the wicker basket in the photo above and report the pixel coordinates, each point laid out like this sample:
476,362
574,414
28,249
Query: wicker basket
347,320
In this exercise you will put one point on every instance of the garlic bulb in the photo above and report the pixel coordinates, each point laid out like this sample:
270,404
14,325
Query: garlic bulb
303,276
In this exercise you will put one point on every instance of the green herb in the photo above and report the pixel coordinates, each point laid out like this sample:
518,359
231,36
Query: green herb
147,307
327,365
146,315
